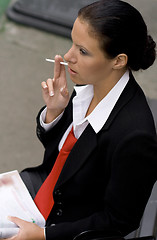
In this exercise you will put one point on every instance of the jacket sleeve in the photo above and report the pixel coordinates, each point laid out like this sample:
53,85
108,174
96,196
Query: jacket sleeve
133,174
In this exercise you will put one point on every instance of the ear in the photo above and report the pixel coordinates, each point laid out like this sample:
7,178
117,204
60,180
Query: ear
121,61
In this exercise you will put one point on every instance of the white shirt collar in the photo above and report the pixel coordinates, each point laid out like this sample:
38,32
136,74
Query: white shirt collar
100,114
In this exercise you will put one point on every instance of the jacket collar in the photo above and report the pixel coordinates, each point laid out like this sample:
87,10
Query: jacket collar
125,97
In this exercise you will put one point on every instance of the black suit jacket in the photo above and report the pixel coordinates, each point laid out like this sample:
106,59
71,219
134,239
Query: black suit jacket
108,177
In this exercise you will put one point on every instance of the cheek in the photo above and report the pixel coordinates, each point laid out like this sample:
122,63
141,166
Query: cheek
93,70
101,69
89,74
88,68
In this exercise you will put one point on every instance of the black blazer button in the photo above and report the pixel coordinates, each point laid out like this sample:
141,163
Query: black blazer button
59,212
38,132
57,193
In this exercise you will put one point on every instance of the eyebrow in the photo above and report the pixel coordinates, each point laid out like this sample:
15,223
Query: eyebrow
80,46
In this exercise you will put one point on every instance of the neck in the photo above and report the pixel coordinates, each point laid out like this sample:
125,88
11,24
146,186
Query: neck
101,90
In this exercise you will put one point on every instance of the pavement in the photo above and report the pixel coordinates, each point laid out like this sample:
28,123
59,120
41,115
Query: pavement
23,68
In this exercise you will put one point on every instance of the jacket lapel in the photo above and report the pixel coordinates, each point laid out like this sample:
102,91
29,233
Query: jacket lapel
79,154
125,97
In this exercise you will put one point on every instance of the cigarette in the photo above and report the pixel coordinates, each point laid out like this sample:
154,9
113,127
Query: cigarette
52,60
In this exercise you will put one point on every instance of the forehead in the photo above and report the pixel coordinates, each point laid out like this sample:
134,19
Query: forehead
83,35
80,26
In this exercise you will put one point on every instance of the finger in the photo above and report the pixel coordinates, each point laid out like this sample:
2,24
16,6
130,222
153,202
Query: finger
50,87
61,70
44,88
19,222
57,66
63,75
44,85
11,238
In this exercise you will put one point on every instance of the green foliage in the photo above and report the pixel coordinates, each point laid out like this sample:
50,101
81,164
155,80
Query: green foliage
3,6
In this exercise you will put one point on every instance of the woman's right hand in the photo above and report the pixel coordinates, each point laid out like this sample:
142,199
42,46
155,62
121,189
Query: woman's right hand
55,92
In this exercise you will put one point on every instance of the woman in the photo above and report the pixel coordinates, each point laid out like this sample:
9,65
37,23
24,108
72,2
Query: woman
109,174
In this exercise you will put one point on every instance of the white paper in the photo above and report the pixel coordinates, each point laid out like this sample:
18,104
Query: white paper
15,200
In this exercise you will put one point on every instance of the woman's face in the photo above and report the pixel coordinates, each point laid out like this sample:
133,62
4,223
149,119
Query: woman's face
87,62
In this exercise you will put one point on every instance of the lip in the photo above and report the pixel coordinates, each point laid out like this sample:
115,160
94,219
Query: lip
71,71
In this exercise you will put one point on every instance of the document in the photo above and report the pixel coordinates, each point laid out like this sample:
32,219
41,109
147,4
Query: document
15,200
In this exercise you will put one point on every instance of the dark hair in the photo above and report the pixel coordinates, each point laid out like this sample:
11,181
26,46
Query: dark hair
120,29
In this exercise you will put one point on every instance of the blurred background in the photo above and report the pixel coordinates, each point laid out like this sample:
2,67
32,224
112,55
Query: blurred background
23,50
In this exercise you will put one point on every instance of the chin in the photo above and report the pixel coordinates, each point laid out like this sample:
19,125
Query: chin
76,81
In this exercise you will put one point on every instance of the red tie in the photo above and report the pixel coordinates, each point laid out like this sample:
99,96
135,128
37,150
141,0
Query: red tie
44,197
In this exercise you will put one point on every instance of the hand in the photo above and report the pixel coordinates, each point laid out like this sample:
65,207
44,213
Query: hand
27,230
55,92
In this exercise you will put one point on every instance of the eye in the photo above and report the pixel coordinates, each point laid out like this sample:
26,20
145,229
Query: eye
83,52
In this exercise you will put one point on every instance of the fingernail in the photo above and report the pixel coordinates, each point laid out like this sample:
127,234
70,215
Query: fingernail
45,86
51,93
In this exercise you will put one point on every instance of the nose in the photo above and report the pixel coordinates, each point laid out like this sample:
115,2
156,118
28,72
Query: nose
70,56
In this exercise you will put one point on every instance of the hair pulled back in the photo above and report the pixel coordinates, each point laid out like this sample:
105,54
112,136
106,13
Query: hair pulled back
120,28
